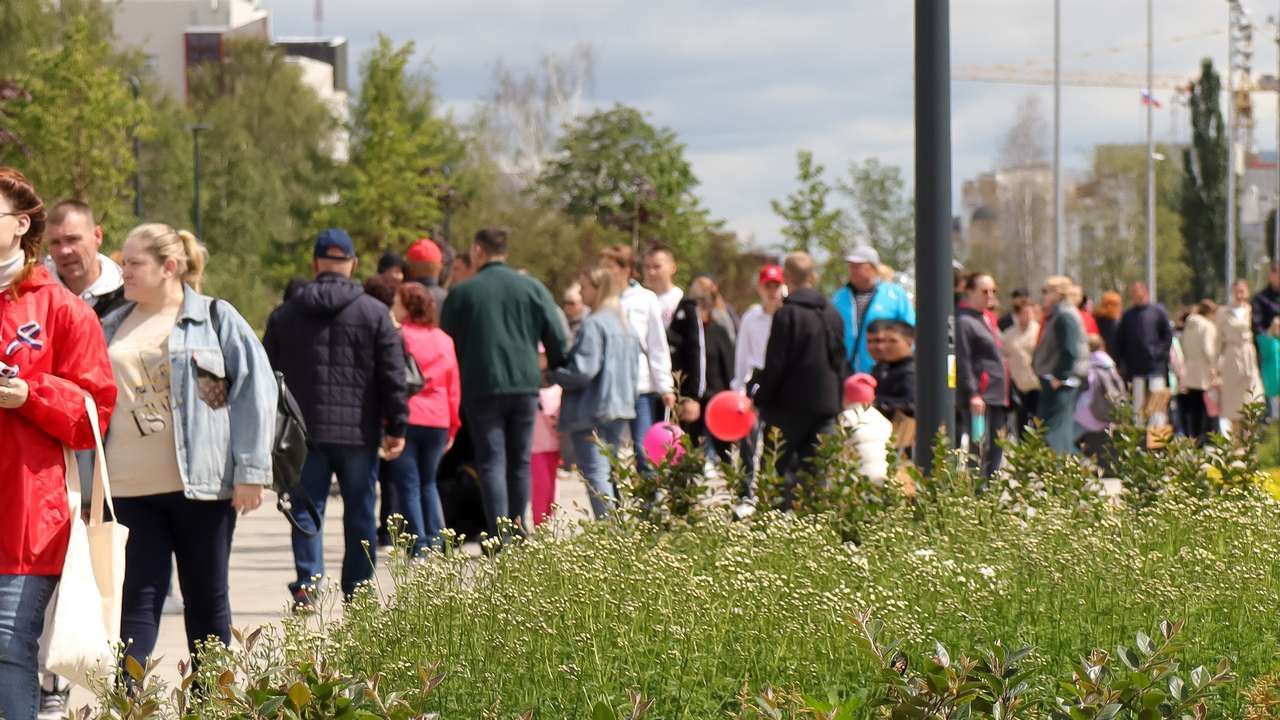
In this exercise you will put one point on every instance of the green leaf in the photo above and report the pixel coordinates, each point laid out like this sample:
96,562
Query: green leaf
299,695
271,707
133,668
1108,712
1175,688
602,711
1199,677
1144,643
944,658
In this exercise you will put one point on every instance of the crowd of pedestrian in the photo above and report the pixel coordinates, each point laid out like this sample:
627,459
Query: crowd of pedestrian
441,352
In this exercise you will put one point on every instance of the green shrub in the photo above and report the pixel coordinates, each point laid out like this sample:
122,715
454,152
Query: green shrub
677,609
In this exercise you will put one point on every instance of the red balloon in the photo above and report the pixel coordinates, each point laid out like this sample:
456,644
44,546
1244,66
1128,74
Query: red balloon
730,416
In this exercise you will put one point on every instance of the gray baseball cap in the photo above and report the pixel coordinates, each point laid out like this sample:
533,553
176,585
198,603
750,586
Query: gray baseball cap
863,254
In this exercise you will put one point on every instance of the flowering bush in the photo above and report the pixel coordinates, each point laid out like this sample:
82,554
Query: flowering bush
677,609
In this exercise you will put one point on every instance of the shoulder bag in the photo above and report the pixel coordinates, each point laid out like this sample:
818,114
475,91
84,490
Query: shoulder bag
84,620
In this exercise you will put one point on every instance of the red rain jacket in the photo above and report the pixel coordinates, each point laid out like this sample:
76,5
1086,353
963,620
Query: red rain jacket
54,341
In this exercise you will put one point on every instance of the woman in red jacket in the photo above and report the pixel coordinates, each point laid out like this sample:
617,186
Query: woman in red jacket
433,414
52,353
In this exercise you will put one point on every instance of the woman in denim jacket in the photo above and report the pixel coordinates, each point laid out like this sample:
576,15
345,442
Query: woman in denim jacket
601,383
190,443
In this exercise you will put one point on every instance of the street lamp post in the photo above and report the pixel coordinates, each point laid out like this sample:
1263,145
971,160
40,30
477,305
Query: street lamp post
1230,270
1151,166
1059,226
195,167
935,404
135,86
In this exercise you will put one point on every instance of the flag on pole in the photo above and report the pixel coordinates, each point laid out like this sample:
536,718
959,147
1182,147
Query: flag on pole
1149,99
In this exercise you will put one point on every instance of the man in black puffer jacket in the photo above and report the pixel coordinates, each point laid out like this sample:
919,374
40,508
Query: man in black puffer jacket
801,385
344,361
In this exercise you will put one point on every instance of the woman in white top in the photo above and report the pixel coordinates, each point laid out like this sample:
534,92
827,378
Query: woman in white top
1238,374
1199,368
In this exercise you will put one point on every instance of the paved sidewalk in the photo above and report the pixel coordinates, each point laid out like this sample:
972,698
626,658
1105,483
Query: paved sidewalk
262,568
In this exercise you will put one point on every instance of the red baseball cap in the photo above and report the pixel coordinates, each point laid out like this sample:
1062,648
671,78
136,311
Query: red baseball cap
425,250
771,274
860,389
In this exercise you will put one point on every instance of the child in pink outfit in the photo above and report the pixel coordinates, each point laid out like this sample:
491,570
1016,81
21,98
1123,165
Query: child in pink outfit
546,453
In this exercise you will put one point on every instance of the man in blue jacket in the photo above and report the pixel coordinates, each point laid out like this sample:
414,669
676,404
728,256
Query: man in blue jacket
866,299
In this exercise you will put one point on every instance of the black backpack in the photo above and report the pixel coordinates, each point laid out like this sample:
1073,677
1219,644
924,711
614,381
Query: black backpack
288,448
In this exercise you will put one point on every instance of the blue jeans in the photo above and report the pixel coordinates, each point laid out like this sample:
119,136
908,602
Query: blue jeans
595,466
23,600
502,436
1055,411
414,476
747,448
353,466
648,411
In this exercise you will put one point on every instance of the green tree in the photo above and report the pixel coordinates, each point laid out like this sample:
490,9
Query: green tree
1112,207
883,215
28,25
400,154
74,123
812,225
1203,197
265,170
616,167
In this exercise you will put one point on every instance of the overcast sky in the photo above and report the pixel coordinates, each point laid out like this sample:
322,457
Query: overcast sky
746,83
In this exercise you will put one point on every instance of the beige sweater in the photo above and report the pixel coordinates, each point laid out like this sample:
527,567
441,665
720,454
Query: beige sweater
1019,347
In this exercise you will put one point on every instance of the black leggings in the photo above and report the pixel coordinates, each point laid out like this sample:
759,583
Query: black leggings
1195,415
199,533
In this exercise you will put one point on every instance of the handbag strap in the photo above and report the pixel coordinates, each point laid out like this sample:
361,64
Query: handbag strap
101,493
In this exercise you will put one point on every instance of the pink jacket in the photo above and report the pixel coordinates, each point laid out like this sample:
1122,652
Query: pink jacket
545,437
437,405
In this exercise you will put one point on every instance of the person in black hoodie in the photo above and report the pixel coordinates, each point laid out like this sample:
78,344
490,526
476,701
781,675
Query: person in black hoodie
1266,304
702,353
344,361
1142,347
801,384
982,380
890,344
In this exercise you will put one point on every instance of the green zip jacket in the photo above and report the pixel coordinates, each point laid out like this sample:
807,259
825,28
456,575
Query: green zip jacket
496,320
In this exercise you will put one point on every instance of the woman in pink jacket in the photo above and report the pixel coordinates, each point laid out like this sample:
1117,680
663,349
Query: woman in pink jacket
433,414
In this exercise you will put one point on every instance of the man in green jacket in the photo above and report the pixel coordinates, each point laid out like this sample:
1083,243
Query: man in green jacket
496,320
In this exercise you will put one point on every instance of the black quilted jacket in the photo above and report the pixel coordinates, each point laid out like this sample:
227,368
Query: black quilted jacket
343,360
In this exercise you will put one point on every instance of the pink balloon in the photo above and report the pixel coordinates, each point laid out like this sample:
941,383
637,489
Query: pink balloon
662,443
730,416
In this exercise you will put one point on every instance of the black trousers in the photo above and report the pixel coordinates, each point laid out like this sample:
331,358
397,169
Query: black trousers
199,533
1027,404
1195,415
800,437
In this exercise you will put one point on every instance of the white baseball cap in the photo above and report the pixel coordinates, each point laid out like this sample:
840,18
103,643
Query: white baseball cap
863,254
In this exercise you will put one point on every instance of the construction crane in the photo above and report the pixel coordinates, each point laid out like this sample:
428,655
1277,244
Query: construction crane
1040,75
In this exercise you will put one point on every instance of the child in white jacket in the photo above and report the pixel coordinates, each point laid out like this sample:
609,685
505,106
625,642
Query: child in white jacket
871,432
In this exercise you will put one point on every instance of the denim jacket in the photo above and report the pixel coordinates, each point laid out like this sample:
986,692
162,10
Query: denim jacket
221,442
601,376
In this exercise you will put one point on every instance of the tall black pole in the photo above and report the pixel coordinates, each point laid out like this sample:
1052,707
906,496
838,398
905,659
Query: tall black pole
935,304
136,87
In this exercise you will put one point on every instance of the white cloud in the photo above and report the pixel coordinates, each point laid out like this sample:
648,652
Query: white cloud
746,83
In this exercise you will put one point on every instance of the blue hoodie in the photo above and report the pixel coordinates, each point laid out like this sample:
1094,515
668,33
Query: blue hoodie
890,302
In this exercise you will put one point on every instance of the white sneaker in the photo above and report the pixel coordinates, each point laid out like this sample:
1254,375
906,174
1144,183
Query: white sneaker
54,702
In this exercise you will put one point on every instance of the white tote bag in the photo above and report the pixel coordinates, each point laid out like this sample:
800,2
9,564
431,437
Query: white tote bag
84,621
